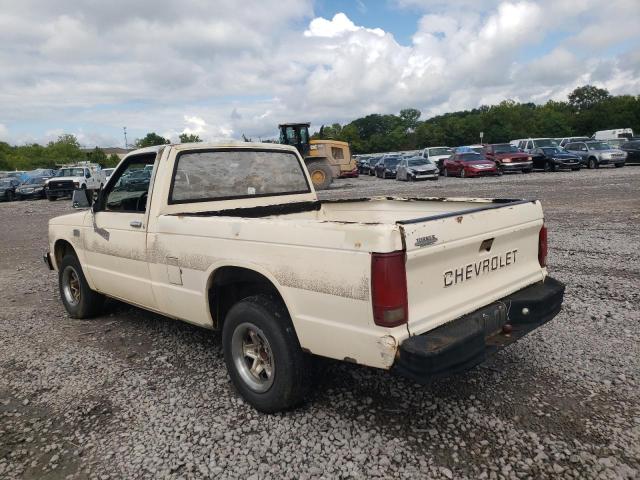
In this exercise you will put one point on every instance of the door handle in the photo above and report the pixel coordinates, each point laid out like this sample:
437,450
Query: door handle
135,223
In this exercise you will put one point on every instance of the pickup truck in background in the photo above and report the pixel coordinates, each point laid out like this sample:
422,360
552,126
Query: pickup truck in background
83,176
232,237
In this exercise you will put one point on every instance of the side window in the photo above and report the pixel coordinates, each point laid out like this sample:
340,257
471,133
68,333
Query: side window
583,147
529,145
127,191
337,153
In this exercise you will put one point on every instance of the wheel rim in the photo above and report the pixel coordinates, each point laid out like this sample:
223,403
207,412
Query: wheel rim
462,174
252,357
318,177
71,286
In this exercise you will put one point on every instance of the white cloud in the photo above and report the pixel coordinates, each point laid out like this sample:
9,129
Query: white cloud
217,70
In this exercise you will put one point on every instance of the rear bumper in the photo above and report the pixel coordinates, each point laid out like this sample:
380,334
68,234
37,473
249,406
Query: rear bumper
466,342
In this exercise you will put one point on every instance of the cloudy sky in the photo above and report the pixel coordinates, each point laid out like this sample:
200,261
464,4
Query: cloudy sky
220,68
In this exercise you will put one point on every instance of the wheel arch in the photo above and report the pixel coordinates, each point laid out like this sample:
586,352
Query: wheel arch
229,283
61,248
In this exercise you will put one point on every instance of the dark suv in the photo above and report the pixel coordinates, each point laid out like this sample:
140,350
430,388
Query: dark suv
387,167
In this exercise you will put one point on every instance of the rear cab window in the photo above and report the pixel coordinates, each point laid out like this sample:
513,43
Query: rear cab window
223,174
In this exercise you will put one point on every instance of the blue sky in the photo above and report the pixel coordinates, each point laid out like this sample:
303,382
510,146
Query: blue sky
211,68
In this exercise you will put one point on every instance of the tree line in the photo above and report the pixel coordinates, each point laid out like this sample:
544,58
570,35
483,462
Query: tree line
586,110
66,149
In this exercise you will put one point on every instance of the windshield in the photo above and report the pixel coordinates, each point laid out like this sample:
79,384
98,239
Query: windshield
553,150
70,172
546,142
391,162
598,146
417,162
440,151
471,157
505,148
34,180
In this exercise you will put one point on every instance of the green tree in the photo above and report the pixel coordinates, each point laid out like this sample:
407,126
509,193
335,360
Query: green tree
410,118
66,149
189,138
98,156
151,139
587,96
112,161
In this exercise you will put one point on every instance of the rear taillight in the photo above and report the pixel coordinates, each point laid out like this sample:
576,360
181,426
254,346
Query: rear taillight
389,289
542,246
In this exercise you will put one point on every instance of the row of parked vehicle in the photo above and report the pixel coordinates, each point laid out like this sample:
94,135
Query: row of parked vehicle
52,183
522,155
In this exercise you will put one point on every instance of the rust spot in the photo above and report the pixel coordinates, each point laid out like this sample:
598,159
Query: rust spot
459,219
319,283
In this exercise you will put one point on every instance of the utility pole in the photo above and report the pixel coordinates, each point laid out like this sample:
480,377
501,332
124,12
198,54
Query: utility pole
124,129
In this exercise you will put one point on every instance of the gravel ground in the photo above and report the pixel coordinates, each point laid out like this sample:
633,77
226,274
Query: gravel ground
134,395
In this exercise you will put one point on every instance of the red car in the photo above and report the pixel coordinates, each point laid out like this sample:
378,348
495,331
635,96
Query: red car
352,174
469,164
508,158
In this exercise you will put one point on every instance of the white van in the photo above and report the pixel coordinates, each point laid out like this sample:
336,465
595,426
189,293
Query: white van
614,133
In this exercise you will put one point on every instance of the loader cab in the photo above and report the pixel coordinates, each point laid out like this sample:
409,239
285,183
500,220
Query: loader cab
296,135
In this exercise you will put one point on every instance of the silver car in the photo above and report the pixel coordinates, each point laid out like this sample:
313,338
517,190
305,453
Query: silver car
416,168
594,153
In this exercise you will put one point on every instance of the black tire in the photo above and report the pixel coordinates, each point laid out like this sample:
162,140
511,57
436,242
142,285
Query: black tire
592,163
528,170
462,173
446,173
51,198
87,303
321,174
576,169
10,196
619,165
290,366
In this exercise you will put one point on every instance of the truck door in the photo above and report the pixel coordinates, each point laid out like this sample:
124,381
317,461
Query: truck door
115,243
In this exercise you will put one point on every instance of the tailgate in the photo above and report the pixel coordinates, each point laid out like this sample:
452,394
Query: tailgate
458,262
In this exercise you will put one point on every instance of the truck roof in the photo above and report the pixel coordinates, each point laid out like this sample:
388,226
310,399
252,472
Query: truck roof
225,144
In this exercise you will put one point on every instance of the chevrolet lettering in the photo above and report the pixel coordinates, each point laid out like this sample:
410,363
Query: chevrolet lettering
481,267
232,237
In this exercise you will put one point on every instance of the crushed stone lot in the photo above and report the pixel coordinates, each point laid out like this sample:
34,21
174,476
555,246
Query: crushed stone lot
132,394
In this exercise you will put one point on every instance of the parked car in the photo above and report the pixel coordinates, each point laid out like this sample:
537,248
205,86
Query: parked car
508,158
532,143
594,153
416,168
469,164
615,142
563,141
32,188
391,283
8,187
387,166
373,161
551,159
633,151
437,155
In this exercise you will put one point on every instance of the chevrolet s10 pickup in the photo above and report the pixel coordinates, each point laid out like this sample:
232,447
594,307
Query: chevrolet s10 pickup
232,237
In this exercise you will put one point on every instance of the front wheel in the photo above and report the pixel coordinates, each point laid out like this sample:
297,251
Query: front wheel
462,173
263,355
592,163
78,299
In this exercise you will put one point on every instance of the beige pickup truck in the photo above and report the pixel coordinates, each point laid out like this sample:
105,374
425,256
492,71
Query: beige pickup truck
232,237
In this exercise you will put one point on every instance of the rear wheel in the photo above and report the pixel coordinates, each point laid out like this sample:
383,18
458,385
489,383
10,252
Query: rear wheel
263,356
78,299
321,174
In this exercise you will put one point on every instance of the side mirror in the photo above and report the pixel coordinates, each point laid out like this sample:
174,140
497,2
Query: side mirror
81,198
